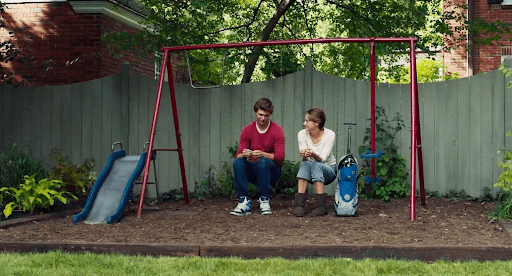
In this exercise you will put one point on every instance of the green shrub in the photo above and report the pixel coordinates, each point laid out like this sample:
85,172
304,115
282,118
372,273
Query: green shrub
16,163
76,178
391,167
504,204
287,184
34,194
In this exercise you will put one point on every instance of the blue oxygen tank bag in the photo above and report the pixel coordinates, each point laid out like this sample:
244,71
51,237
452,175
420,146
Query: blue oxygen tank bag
346,197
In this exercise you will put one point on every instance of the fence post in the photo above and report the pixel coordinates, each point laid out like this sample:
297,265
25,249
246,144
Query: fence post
125,105
308,86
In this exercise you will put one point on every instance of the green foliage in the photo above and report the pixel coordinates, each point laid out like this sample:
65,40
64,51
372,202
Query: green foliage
16,163
505,178
503,206
507,72
33,194
76,178
427,70
190,22
391,167
287,183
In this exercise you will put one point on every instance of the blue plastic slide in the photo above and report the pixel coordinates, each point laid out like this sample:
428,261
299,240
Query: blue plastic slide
111,191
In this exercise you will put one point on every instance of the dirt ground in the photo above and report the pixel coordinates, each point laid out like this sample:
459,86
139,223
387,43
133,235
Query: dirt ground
442,222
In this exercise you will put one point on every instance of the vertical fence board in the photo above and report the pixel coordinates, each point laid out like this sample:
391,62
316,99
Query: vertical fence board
289,118
96,150
7,116
361,102
146,107
298,118
345,113
440,136
27,102
76,123
429,134
133,115
486,134
46,123
106,119
87,123
183,100
215,128
347,93
204,125
150,93
498,124
329,107
35,130
475,131
17,116
117,120
195,142
225,125
394,108
235,101
405,111
451,154
463,135
67,121
277,100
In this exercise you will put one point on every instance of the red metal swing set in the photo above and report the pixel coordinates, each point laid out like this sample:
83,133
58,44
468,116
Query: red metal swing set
415,122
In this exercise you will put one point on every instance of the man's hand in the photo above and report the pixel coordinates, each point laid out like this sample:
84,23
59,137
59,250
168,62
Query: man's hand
246,153
258,154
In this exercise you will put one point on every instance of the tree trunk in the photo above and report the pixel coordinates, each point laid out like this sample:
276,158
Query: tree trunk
265,34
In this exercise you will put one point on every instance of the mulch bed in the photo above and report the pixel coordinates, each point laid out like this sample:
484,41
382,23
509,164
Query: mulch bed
441,223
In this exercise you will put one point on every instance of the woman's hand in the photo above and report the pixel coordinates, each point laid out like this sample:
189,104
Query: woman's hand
307,153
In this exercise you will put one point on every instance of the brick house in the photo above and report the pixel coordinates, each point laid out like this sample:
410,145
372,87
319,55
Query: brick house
481,58
61,40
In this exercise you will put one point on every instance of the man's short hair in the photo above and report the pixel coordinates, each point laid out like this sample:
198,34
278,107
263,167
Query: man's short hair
264,104
317,115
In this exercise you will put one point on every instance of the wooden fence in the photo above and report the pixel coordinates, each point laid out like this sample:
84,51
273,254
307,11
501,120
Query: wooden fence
463,122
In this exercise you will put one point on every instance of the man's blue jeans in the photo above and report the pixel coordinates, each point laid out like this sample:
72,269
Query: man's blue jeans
261,173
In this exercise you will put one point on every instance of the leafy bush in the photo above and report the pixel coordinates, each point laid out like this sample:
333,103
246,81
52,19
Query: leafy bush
76,178
391,167
16,163
33,194
503,206
287,184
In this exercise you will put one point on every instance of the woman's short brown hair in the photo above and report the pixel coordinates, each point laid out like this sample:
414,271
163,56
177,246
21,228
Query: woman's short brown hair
317,115
264,104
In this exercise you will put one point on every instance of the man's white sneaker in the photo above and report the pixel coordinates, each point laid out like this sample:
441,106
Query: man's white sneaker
243,207
265,205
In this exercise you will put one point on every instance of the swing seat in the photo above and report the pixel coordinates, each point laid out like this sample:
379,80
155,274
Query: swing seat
368,179
370,155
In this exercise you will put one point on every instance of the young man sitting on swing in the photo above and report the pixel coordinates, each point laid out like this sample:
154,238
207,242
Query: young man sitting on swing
258,160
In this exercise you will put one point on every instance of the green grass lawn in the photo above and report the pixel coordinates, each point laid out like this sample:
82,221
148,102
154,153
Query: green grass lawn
60,263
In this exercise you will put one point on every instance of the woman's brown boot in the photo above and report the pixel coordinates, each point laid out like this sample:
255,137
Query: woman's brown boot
299,202
319,209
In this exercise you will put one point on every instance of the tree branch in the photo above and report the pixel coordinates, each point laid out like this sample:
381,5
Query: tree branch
353,11
265,34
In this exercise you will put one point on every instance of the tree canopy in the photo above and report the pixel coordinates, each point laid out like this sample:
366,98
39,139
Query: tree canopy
190,22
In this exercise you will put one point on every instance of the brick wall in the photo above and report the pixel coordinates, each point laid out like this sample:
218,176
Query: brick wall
62,46
487,58
483,58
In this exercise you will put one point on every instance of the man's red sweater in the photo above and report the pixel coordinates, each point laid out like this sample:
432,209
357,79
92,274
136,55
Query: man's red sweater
272,141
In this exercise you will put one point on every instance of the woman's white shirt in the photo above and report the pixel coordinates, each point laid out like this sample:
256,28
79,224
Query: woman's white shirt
323,148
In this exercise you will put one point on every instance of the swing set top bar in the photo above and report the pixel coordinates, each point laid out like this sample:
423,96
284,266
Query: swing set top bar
292,41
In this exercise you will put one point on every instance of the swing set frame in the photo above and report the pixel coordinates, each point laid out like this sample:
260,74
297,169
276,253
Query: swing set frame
414,128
